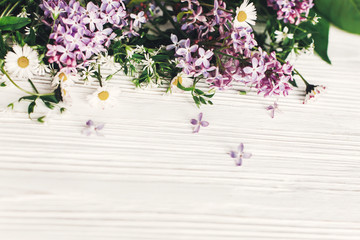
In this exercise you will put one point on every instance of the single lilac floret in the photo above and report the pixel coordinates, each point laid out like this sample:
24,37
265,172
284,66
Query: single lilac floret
240,155
198,123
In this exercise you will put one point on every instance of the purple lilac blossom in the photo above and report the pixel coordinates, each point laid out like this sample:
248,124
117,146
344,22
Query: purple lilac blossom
92,128
272,109
199,123
240,155
80,33
291,11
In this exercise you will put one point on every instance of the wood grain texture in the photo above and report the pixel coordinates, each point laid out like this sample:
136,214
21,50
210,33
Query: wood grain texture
151,178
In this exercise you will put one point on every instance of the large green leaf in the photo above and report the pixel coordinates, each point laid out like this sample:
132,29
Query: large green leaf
10,23
345,14
320,34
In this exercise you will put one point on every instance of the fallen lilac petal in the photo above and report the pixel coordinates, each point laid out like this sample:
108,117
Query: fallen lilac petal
194,121
204,123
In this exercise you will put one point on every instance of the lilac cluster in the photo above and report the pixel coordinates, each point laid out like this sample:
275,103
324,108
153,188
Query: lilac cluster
236,60
194,60
267,74
205,22
291,11
79,33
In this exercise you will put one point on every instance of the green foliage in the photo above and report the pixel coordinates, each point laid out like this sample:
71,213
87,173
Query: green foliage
10,23
345,14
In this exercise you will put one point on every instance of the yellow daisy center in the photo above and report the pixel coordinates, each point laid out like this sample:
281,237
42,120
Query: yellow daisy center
242,16
23,62
178,80
63,77
104,95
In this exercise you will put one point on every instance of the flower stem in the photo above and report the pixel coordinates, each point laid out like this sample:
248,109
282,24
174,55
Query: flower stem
99,76
20,88
167,14
296,71
302,78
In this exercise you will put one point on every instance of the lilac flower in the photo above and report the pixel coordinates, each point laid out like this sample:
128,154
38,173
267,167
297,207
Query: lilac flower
175,44
187,50
291,11
92,128
240,155
273,109
199,123
204,56
139,19
256,70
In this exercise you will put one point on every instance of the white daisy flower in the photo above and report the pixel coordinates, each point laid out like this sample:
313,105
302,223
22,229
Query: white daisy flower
245,15
282,35
103,97
22,62
65,79
183,80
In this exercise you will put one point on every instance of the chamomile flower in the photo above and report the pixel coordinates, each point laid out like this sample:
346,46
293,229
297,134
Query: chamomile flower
22,62
245,15
65,79
103,97
183,80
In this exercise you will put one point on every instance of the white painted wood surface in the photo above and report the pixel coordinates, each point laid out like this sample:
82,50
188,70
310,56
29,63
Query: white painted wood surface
151,178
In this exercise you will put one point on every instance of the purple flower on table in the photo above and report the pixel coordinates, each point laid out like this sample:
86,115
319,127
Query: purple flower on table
92,128
198,123
204,58
138,19
240,155
187,49
272,109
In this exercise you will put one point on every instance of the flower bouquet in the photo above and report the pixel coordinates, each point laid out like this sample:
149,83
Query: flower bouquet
182,44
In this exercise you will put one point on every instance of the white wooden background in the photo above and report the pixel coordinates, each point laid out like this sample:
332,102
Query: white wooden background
151,178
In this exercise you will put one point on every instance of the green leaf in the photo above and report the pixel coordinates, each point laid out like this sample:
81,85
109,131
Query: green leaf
196,100
10,23
31,98
241,92
49,105
320,34
11,105
62,110
33,86
31,107
199,92
50,98
202,100
3,84
184,88
41,119
345,14
321,39
2,47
